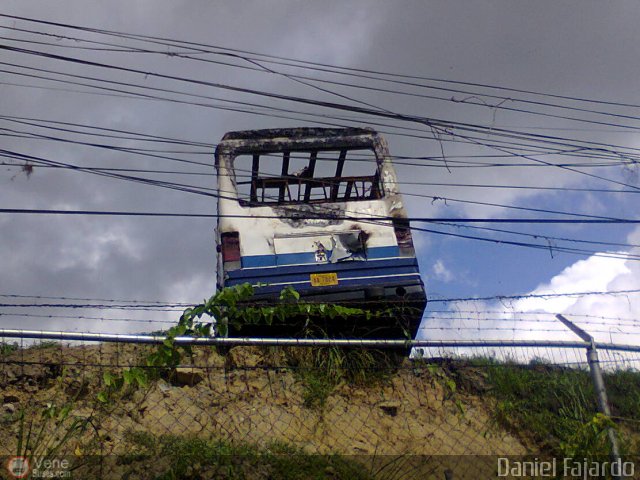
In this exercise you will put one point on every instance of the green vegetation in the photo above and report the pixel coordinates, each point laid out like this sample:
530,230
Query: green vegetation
191,457
44,344
623,389
47,434
321,369
555,407
7,348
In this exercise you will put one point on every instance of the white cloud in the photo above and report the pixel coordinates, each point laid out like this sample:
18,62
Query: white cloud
594,274
441,272
608,317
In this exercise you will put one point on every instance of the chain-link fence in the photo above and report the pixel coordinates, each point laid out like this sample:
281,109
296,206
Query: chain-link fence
99,410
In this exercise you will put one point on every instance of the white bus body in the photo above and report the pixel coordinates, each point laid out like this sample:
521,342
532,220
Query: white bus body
291,213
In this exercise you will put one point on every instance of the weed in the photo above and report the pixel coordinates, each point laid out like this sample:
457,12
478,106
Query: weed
193,457
322,369
47,435
556,406
45,344
589,440
317,388
623,390
7,348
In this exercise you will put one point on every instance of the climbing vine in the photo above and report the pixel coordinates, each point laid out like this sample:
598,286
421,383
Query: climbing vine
230,308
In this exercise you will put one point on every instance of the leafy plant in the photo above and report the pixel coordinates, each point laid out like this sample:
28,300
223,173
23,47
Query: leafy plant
44,436
590,440
7,348
556,406
231,307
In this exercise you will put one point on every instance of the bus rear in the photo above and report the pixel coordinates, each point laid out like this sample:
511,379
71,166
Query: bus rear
317,209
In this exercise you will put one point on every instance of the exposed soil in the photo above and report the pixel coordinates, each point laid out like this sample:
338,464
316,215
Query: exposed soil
243,397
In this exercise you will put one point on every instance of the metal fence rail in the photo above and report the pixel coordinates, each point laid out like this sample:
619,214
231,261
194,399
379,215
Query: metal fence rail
303,342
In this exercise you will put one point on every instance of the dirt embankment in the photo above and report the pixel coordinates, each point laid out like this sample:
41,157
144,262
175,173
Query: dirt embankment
246,397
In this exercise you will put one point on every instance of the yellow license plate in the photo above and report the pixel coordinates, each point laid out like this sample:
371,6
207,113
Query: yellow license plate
324,279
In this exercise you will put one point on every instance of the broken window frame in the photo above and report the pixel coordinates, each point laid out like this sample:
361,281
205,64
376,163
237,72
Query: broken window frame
355,188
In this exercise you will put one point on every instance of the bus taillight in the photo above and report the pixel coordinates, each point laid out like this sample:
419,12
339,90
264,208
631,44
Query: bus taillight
402,229
230,249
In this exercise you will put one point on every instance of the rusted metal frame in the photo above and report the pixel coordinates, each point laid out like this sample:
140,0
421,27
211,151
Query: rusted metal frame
255,166
251,146
336,186
309,174
356,188
262,184
375,188
347,193
284,173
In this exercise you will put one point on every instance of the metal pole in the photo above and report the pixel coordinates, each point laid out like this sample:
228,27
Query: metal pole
598,382
303,342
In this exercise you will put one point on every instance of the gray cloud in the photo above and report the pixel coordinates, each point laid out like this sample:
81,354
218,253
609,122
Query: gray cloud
575,48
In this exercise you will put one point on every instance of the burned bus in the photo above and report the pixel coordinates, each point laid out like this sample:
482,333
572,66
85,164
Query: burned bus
317,209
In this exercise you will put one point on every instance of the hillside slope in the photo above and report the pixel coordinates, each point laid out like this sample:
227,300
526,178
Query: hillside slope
253,402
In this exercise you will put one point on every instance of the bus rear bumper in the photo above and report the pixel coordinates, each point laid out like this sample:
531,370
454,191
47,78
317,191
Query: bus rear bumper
390,285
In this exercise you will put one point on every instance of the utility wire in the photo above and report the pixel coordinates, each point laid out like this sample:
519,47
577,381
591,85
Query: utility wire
443,127
168,305
307,216
600,151
253,56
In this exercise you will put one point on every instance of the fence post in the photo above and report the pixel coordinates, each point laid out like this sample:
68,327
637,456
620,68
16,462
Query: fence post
598,381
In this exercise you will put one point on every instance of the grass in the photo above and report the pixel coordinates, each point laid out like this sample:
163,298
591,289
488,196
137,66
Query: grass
44,344
556,407
623,389
7,348
549,406
192,457
321,370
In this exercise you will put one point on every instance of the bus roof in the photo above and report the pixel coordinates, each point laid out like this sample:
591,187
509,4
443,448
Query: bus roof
296,133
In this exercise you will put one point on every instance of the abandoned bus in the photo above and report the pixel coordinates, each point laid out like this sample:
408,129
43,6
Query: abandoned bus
299,206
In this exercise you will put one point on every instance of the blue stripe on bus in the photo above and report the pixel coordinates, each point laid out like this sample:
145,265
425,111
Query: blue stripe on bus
387,281
357,274
348,268
252,261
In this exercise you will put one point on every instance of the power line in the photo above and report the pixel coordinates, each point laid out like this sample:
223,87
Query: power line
398,158
536,295
430,122
544,236
549,247
307,216
246,56
172,306
128,134
370,219
212,192
436,184
467,139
